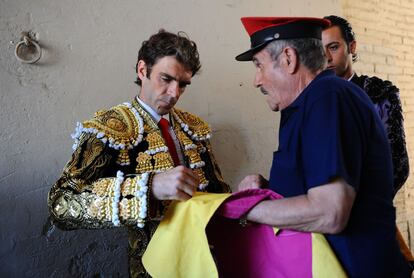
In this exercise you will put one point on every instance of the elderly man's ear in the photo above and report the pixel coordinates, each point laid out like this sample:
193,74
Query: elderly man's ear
290,59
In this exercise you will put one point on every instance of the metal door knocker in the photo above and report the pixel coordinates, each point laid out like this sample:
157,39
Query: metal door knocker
28,50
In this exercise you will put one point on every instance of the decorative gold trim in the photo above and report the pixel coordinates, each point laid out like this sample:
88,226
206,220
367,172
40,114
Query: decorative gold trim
144,163
163,161
194,126
119,126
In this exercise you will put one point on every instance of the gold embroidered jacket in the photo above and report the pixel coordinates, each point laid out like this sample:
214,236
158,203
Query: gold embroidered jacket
118,151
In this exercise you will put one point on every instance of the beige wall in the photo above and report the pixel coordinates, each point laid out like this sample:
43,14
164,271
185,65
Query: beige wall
385,37
88,64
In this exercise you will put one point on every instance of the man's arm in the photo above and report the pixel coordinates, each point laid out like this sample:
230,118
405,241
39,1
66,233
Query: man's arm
91,194
324,209
396,136
386,98
84,196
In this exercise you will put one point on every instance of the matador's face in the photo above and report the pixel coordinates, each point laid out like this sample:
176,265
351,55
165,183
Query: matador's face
338,51
167,81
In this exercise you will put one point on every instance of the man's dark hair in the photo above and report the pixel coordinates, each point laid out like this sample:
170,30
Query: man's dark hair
164,44
346,30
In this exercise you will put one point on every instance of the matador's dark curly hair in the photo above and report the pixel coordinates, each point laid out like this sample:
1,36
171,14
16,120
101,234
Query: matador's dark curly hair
164,44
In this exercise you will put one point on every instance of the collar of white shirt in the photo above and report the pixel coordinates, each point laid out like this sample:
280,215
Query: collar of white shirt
154,115
350,78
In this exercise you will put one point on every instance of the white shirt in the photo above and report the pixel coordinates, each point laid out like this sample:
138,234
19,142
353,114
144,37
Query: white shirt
156,117
350,78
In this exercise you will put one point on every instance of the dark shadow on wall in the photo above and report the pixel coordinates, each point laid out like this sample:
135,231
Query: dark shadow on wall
30,249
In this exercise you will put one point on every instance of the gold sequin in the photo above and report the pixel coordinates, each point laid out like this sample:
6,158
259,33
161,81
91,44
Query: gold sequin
202,178
155,141
101,208
196,125
129,209
163,161
183,138
100,112
118,124
193,156
123,158
144,163
103,187
129,186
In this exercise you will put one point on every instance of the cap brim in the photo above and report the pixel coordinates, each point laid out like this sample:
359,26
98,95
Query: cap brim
245,56
248,55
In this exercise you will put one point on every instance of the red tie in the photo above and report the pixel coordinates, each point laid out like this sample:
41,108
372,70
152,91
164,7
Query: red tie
164,125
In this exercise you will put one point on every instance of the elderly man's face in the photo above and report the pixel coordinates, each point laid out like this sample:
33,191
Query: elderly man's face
272,80
338,52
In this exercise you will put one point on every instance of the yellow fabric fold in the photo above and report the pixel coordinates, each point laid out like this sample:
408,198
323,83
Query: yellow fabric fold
324,261
179,248
176,250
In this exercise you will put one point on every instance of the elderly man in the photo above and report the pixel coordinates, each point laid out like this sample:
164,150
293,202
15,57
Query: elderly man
330,165
129,161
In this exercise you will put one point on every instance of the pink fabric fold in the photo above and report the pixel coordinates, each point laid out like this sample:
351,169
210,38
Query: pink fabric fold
241,202
255,250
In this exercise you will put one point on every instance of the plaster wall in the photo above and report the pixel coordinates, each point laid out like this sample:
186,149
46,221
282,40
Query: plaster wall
89,55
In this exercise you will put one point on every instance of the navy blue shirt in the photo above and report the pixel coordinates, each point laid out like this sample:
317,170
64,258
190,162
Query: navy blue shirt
332,130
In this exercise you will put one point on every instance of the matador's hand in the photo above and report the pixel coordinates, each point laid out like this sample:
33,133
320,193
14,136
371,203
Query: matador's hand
179,183
252,182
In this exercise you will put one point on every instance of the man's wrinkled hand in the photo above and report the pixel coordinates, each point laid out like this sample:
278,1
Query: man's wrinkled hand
179,183
252,182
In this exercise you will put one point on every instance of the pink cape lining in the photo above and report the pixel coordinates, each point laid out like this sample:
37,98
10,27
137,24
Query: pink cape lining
255,250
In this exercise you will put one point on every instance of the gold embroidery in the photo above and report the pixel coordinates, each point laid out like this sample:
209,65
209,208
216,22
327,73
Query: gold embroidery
149,123
163,161
183,138
129,186
144,163
104,187
193,156
130,210
200,173
91,151
100,112
64,207
155,141
118,124
120,127
101,209
201,148
123,157
199,129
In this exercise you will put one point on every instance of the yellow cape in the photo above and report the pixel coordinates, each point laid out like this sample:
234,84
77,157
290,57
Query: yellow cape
179,247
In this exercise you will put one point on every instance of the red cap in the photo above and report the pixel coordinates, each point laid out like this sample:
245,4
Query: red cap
263,30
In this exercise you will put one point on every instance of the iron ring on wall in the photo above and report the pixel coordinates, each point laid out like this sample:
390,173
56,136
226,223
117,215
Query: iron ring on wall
28,51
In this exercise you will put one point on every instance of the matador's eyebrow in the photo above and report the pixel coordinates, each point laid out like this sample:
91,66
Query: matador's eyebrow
181,82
